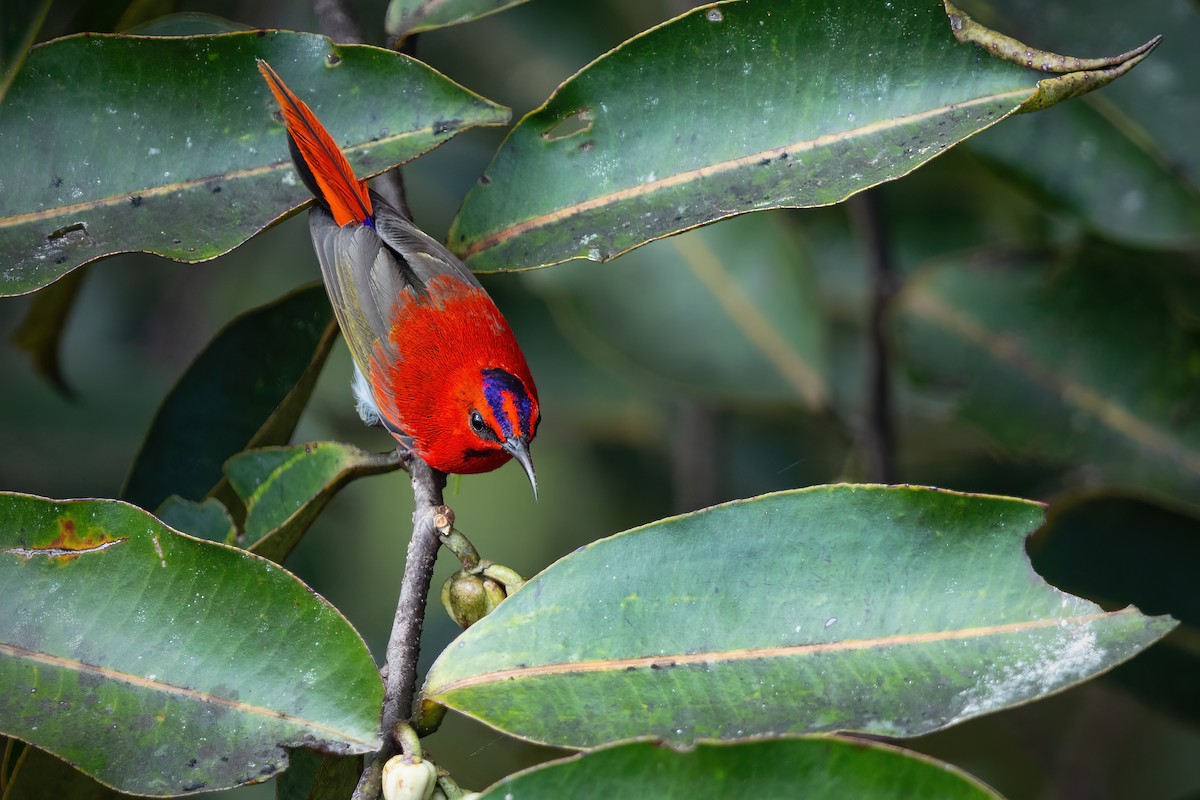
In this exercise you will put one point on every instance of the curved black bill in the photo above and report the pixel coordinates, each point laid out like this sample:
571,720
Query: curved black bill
518,448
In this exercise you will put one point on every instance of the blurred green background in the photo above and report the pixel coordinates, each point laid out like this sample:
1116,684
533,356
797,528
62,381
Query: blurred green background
1072,233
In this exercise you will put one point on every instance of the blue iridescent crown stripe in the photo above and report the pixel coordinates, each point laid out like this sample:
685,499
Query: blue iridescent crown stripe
496,384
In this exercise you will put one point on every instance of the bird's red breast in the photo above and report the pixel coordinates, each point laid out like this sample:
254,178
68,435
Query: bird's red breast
456,354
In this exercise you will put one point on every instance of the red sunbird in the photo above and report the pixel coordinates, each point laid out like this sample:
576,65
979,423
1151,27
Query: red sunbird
435,363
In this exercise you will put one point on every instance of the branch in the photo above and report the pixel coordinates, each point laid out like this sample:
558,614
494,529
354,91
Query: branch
878,433
404,645
694,457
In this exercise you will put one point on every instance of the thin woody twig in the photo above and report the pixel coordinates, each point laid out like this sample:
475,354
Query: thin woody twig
404,645
878,435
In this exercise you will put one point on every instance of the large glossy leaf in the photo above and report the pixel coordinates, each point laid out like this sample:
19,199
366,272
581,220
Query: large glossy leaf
406,17
246,389
18,29
163,664
728,312
1088,364
168,145
893,610
785,769
736,107
285,488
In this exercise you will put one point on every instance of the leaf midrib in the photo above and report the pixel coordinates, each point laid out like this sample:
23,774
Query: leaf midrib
722,167
782,651
161,687
192,183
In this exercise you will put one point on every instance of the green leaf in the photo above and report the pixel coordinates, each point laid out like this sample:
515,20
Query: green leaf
1116,160
1090,363
730,108
812,768
1082,159
162,664
18,29
1076,76
169,145
729,312
40,332
316,776
1125,160
285,488
186,23
40,776
891,610
406,17
246,389
204,520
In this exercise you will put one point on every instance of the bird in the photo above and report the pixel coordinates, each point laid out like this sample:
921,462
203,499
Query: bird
435,362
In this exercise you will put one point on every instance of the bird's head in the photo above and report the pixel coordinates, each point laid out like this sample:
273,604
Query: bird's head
494,418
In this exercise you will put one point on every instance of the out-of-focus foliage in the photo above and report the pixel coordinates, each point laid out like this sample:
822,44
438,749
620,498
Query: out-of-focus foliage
1042,344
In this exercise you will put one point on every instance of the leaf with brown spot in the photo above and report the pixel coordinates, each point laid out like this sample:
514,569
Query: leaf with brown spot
114,659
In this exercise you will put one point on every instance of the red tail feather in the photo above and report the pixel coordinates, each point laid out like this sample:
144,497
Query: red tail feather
345,194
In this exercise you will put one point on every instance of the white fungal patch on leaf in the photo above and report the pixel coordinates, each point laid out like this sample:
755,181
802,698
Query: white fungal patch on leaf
1071,653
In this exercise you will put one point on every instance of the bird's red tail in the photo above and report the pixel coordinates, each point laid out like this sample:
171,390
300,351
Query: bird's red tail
318,158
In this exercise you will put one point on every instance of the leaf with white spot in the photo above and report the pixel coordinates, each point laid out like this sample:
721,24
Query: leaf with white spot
890,610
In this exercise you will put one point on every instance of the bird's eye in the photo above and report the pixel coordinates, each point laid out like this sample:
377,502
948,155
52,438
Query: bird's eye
477,423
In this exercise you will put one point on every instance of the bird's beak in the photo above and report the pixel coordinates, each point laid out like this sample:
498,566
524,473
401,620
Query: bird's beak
518,448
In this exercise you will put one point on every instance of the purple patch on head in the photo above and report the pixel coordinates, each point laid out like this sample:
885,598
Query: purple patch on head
498,383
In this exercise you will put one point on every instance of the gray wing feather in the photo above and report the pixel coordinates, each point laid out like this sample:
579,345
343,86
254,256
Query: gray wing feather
421,253
360,308
401,257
